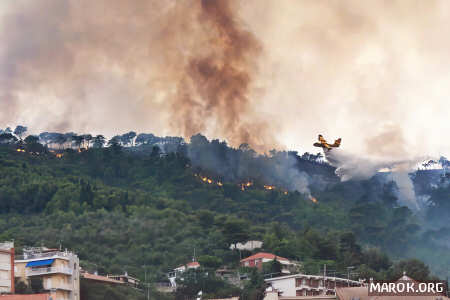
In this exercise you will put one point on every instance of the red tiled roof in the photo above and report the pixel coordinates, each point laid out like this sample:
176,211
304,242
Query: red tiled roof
101,278
193,264
264,255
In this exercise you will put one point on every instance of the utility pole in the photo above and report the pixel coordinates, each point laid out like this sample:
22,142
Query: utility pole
147,291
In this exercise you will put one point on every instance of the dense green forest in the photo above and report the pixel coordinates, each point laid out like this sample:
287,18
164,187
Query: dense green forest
127,206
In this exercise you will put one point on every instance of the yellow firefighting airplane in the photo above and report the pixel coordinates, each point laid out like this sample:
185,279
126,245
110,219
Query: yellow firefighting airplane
323,143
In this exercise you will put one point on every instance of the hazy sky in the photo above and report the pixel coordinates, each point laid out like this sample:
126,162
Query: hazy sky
376,73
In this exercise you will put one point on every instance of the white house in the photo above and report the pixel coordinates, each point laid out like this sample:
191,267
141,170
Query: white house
181,269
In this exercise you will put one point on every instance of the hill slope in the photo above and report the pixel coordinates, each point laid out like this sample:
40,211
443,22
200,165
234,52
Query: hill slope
119,211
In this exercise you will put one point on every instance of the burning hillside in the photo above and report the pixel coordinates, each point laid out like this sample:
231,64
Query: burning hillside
244,186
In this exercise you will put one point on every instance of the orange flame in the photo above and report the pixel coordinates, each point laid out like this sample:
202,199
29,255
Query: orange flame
245,185
313,199
207,180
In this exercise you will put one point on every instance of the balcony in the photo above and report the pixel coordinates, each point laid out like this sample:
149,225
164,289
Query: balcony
5,282
50,270
5,267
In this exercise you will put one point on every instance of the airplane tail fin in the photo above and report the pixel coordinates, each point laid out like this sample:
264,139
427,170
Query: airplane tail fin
337,142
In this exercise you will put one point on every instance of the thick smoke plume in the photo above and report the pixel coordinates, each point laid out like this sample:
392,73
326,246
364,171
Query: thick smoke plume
191,61
234,70
215,86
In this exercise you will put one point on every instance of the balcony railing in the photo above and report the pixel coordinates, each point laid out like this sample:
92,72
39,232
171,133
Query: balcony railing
6,245
43,255
5,282
50,270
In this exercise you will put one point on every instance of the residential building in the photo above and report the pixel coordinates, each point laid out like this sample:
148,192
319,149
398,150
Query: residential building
308,285
258,259
181,269
7,267
99,278
249,245
126,279
59,270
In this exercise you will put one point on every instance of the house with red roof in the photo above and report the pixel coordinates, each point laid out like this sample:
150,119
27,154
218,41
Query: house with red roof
190,265
259,258
181,269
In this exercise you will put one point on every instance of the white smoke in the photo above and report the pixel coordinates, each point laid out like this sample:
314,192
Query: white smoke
363,167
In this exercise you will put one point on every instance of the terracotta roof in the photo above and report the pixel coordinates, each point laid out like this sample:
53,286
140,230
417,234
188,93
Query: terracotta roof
101,278
193,264
264,255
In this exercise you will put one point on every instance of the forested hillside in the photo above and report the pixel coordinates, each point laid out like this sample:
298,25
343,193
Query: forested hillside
120,208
